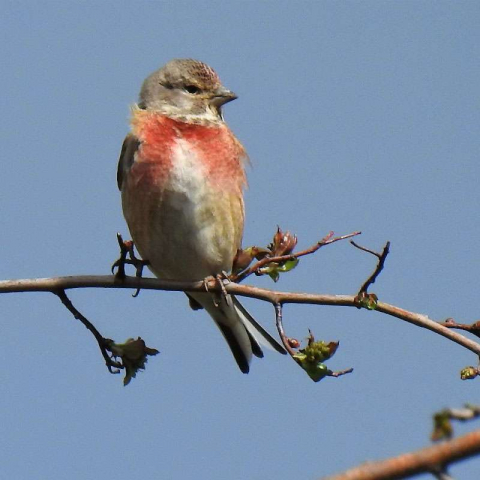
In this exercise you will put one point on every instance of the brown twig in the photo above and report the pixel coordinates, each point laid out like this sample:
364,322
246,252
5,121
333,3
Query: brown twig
427,460
473,328
339,373
441,474
271,296
381,262
442,420
103,343
468,412
279,323
288,345
327,240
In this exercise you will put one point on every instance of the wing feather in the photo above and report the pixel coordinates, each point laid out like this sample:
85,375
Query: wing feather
127,157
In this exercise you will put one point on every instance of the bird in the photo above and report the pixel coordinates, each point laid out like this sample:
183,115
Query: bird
181,174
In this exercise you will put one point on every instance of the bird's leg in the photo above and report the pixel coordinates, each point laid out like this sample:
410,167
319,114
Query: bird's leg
220,279
120,262
225,281
127,248
206,280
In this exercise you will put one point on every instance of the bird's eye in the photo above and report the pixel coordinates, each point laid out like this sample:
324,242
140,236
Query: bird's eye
192,89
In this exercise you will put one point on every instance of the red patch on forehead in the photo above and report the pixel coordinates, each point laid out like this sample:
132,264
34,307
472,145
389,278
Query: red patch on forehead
206,73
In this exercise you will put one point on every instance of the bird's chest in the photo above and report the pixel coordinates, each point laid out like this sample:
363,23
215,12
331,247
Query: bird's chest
176,216
184,155
172,187
182,173
187,183
183,199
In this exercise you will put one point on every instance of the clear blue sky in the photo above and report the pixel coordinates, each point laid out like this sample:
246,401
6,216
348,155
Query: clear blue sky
356,115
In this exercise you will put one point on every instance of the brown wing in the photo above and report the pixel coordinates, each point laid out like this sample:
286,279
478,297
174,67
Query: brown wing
127,156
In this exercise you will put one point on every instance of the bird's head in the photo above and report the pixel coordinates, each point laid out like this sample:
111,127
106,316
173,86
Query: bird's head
185,88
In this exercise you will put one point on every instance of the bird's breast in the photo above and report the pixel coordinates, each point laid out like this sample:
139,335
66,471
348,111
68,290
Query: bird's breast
166,141
183,200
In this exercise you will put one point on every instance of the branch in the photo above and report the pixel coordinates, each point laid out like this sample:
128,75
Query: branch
311,357
473,328
381,262
272,296
427,460
287,342
133,353
103,343
442,421
327,240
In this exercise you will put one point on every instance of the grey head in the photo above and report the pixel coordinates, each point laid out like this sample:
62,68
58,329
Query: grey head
185,88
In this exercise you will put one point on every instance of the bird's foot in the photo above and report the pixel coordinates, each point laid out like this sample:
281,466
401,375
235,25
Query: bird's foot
221,279
127,249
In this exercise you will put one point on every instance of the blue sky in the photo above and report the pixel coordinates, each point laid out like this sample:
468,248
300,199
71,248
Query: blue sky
357,116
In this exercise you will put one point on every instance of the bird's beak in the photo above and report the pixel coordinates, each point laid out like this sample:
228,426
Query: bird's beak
222,96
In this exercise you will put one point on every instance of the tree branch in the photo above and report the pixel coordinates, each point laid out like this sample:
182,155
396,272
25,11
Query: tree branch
103,343
255,268
272,296
427,460
381,263
473,328
313,366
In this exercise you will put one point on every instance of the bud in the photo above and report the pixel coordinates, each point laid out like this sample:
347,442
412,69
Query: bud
134,355
442,427
468,373
283,243
293,342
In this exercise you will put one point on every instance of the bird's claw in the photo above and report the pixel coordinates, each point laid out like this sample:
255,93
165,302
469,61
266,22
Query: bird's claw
221,279
127,249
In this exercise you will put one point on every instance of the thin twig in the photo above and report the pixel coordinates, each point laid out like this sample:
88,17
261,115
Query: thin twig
340,372
281,331
468,412
441,474
288,346
473,328
381,262
442,420
102,342
327,240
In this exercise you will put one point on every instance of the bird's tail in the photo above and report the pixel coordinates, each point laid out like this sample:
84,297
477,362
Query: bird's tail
244,335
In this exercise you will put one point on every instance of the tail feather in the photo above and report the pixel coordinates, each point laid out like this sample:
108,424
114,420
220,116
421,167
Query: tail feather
256,348
242,332
254,327
241,356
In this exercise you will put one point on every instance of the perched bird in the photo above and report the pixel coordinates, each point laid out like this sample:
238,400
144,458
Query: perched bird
181,175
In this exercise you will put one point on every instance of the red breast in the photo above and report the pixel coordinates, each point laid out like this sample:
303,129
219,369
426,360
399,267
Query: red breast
221,154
